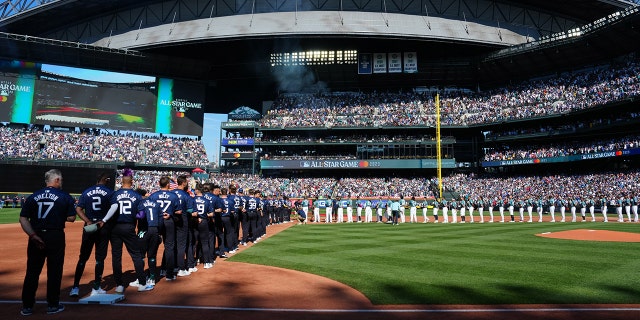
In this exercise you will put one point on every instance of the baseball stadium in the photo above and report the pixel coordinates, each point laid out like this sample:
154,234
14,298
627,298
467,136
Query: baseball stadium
401,159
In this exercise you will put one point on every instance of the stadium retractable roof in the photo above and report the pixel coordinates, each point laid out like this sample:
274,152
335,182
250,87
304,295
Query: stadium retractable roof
39,18
455,63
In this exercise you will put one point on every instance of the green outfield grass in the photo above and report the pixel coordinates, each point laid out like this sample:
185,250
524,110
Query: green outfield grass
9,215
461,263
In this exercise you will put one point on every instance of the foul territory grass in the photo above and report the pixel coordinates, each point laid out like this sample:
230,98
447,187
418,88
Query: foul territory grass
461,263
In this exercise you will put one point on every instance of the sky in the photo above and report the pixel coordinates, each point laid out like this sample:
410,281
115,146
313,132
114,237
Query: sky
211,134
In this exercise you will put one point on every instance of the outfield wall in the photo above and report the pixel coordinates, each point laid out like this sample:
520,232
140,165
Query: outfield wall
24,179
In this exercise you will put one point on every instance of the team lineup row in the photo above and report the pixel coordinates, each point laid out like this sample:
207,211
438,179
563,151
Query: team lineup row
194,229
336,210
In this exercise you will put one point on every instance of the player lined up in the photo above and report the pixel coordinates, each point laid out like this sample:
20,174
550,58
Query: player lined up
194,229
336,209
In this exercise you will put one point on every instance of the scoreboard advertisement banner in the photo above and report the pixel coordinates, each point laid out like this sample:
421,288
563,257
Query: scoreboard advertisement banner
232,142
356,164
578,157
238,124
237,155
74,97
379,63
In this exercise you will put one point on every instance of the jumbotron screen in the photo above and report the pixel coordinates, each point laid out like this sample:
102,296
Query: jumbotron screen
75,97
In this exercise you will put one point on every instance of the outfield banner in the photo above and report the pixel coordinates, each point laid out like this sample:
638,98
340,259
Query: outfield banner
379,63
237,155
395,62
433,163
356,164
410,62
232,142
364,63
578,157
238,124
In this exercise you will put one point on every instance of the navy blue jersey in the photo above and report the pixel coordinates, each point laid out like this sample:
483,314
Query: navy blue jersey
186,206
128,202
243,201
169,201
203,207
219,203
48,208
209,196
152,212
252,204
235,202
95,202
224,204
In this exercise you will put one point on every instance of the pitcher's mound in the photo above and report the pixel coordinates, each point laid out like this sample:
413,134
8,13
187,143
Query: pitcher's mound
593,235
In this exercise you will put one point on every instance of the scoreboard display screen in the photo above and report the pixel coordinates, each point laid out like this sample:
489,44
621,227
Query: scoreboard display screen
75,97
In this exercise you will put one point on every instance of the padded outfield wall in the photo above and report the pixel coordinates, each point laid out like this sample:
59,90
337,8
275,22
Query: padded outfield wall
24,179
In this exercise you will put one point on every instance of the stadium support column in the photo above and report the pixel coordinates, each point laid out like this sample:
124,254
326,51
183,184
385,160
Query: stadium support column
438,147
253,152
220,149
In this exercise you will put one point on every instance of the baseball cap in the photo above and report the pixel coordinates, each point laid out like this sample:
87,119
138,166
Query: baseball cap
240,190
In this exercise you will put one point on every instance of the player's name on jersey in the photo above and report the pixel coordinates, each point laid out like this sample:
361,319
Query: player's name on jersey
45,196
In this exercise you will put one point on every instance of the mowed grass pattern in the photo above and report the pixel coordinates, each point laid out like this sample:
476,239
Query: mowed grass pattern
461,263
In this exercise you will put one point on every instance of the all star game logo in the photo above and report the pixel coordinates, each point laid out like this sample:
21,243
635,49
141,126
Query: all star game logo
4,91
181,106
8,88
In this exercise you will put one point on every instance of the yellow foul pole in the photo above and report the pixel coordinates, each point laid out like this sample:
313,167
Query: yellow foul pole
438,147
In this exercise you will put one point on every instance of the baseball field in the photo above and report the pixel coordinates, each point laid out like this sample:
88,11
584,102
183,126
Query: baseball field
379,271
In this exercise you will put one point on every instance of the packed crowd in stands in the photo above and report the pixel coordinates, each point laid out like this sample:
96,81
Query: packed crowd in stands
558,95
23,143
300,187
350,138
608,185
612,119
380,187
297,156
148,179
595,186
563,149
